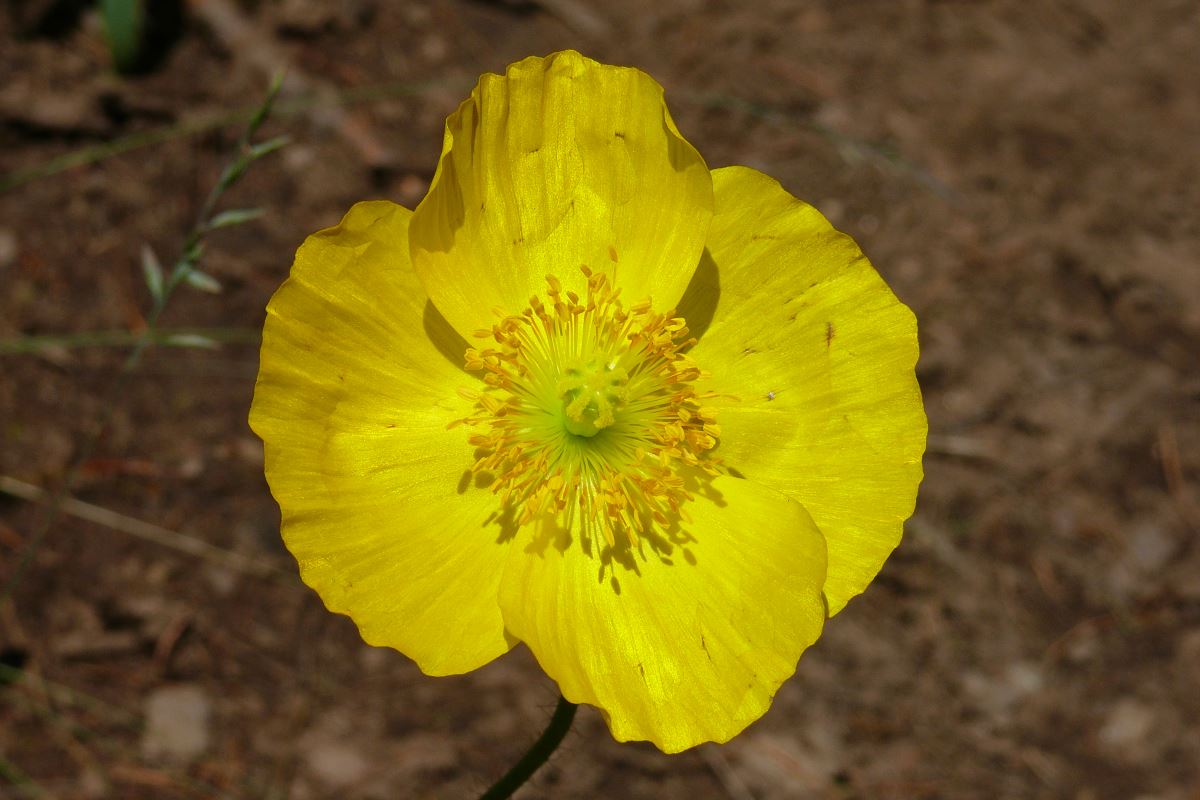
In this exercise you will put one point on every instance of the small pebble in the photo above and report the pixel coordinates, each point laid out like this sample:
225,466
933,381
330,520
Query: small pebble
177,724
1127,724
8,248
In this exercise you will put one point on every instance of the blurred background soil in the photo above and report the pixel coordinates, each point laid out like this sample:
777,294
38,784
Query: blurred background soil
1026,175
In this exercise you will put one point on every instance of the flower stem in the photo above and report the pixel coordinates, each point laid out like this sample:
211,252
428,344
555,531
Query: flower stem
549,741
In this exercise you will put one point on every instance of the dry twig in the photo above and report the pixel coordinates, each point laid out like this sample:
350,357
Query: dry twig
142,530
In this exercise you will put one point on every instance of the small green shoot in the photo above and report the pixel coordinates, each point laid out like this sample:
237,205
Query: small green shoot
124,26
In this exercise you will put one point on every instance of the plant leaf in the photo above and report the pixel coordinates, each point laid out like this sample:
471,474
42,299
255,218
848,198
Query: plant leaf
191,340
269,146
235,216
152,271
202,281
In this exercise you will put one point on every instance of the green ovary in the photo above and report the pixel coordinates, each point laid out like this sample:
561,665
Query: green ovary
592,393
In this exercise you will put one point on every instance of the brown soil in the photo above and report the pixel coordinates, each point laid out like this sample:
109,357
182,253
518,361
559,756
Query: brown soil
1024,174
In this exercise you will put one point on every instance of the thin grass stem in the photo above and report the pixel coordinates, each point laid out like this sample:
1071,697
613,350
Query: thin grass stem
184,266
163,337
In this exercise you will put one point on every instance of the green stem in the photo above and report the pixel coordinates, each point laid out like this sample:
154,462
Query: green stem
542,749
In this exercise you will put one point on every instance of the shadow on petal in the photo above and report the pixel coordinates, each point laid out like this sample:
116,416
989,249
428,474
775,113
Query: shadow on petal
699,302
447,340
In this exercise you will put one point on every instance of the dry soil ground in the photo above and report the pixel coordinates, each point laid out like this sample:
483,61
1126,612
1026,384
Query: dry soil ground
1025,173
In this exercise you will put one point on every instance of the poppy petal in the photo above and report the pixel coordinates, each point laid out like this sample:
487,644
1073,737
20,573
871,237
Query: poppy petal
356,387
560,162
812,357
684,638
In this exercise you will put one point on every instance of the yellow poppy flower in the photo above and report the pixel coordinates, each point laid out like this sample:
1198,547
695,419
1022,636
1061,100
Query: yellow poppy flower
654,421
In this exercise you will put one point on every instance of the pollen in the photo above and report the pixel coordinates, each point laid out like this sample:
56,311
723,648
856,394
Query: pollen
590,416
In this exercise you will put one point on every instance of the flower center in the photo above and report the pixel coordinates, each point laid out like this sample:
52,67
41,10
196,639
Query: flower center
590,415
591,396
